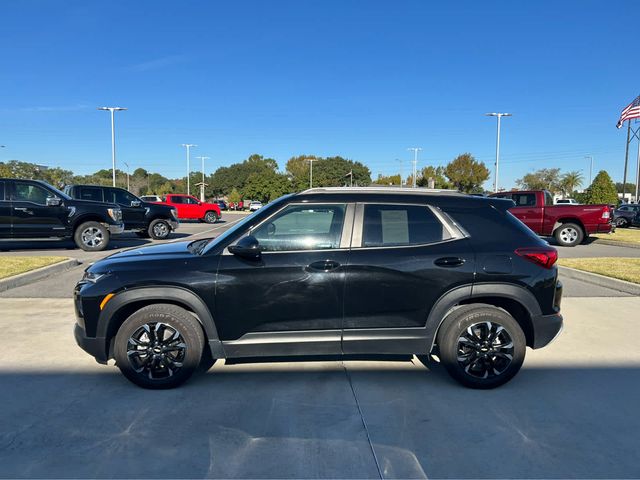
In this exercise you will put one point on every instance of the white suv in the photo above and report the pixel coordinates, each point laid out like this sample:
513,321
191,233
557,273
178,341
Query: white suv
255,205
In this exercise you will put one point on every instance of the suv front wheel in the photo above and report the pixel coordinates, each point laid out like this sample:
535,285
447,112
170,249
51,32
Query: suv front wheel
211,217
159,346
481,346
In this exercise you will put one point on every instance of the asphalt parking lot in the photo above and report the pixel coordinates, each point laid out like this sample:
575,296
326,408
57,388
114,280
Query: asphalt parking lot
571,412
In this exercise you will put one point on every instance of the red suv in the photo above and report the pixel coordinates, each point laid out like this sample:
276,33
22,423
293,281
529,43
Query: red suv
190,208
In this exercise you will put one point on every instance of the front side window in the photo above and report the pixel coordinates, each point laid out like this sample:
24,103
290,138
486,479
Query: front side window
27,192
401,225
121,197
302,227
191,201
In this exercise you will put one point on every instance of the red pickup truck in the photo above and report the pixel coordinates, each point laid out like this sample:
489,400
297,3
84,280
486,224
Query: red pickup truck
190,208
569,224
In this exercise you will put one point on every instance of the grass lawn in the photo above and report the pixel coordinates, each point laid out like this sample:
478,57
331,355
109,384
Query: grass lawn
622,268
14,265
623,235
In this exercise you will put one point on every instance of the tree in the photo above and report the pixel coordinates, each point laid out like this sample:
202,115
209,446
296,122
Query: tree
266,187
435,173
570,181
631,187
543,179
387,179
602,190
234,196
327,172
225,179
466,173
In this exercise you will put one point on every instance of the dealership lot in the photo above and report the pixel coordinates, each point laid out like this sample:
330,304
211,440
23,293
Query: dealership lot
569,413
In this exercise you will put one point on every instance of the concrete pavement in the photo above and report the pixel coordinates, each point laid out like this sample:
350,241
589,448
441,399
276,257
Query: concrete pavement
571,412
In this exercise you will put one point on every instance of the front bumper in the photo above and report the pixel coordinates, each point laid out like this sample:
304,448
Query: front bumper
96,346
545,329
116,229
173,224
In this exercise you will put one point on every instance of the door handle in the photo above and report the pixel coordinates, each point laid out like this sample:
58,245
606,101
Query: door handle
323,265
449,262
21,209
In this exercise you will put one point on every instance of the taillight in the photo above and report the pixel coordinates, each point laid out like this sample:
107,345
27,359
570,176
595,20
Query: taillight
543,256
605,213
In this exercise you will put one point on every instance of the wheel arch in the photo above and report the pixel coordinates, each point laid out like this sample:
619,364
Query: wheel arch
87,217
125,303
561,221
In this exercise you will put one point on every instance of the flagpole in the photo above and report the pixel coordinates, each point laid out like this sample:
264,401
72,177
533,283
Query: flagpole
626,161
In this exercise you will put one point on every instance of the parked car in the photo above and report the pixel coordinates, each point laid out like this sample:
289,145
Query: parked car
569,224
151,198
34,209
255,205
236,205
145,218
190,208
567,201
624,215
332,271
222,204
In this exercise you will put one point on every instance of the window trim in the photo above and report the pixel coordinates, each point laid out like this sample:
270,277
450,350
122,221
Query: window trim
358,228
345,238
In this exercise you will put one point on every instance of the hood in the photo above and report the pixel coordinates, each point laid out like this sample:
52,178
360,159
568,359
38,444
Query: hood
159,250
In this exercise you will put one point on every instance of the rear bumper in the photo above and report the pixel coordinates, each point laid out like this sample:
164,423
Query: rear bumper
96,346
116,229
545,329
604,228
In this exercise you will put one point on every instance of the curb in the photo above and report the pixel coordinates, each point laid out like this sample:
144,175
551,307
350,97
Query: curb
604,241
37,274
601,280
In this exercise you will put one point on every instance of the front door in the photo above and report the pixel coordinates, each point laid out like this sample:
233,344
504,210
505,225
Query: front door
5,211
133,216
30,215
290,299
527,211
403,258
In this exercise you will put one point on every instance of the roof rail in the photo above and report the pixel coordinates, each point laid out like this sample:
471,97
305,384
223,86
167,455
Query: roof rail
381,188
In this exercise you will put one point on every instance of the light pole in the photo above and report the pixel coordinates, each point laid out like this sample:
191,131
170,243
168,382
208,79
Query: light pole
415,163
202,187
311,160
127,165
499,116
401,170
188,147
113,138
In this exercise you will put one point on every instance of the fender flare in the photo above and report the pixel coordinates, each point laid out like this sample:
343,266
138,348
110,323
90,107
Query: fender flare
178,295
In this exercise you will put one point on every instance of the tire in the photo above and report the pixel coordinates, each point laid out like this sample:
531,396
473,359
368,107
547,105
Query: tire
91,236
159,229
622,222
569,235
211,217
153,368
468,359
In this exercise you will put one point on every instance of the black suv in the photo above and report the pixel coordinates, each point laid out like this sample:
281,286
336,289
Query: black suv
145,218
34,209
331,271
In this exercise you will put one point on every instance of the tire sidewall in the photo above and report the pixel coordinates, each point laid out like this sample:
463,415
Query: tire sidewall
209,215
152,225
77,236
565,226
458,322
176,318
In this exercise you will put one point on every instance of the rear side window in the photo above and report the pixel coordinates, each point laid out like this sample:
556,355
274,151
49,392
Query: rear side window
91,193
1,191
175,199
399,225
524,199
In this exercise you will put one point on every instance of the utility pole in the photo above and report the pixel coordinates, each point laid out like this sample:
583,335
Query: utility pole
311,160
415,163
202,186
499,116
113,138
188,147
590,157
127,165
401,170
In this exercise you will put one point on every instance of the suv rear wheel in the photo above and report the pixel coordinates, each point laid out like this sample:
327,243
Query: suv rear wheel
159,346
481,346
211,217
91,236
569,235
159,229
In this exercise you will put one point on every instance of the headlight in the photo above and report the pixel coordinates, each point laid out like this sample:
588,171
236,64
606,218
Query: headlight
174,212
115,213
92,277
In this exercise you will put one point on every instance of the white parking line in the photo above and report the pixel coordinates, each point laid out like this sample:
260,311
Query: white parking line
206,231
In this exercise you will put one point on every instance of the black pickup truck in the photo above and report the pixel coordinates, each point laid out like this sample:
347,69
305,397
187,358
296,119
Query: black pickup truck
145,218
34,209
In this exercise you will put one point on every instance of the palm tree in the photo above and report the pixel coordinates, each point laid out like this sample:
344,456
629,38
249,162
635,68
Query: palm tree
570,182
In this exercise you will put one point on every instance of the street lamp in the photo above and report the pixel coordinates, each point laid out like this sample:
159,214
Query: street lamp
415,163
311,160
113,138
127,165
202,186
188,147
499,116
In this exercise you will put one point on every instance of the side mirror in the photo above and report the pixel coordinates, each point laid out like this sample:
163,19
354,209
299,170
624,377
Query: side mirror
135,203
53,202
247,247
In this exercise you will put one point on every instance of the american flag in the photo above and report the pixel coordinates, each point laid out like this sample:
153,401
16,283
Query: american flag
630,111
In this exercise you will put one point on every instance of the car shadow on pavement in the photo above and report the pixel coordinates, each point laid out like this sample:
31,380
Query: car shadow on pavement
303,421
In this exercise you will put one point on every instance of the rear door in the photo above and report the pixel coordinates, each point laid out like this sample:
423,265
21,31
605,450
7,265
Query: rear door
5,211
403,258
526,209
30,215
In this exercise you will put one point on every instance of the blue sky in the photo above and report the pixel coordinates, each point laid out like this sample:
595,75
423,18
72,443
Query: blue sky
361,79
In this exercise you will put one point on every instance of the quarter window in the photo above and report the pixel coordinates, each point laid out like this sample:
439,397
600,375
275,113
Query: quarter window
27,192
398,225
302,227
